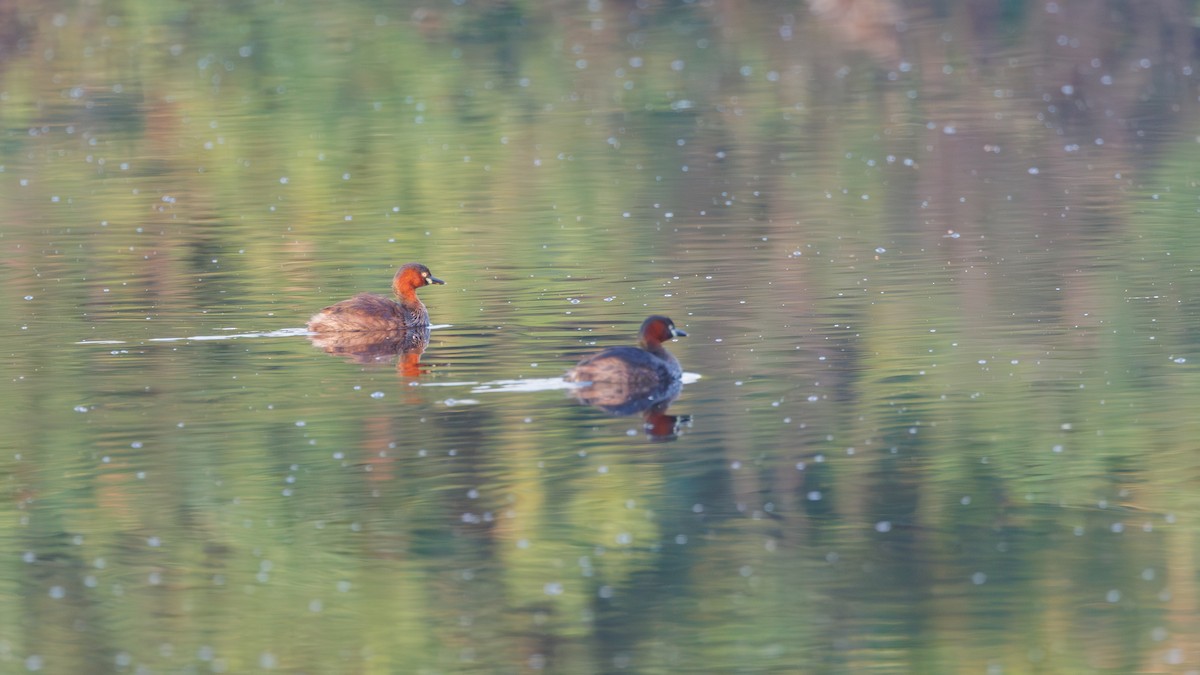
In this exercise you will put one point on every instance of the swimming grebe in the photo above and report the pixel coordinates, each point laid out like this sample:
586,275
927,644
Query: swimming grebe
645,367
369,312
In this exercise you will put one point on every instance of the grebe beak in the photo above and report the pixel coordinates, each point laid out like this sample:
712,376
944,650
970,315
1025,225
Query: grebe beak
433,280
675,332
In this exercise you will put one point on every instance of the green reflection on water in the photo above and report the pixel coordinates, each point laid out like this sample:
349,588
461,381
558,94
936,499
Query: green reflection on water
937,283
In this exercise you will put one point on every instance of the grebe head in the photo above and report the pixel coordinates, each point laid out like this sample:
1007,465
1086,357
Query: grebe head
657,329
412,276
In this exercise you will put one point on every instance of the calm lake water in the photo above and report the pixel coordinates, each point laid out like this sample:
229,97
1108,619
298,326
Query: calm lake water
937,263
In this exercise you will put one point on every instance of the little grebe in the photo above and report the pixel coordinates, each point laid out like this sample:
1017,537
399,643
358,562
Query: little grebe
368,312
645,367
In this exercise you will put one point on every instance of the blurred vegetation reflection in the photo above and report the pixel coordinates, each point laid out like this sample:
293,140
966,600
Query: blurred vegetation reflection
937,261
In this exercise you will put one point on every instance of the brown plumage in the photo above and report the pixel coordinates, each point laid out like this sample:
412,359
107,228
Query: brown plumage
369,312
645,367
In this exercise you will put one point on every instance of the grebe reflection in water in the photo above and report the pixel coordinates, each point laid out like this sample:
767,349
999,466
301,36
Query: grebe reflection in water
378,347
620,400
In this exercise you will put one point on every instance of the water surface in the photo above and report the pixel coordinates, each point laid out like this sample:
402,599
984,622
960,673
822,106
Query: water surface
936,262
